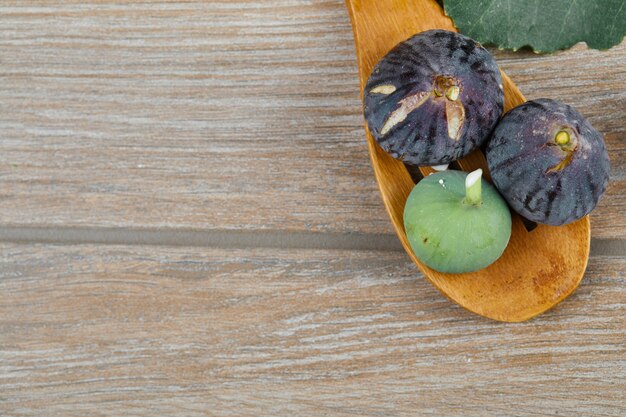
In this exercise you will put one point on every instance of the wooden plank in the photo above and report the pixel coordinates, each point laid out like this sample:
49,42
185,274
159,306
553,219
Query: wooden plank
223,114
121,330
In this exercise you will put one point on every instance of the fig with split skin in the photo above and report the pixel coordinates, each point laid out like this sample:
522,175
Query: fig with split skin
433,98
456,222
548,162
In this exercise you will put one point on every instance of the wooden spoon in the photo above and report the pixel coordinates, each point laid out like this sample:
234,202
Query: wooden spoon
539,268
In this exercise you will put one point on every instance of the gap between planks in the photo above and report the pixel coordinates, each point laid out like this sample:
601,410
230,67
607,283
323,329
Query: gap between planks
233,239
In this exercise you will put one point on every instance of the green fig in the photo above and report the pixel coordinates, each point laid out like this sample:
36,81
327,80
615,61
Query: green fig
457,222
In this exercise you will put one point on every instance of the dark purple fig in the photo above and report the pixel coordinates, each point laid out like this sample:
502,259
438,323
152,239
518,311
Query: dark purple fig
434,98
548,162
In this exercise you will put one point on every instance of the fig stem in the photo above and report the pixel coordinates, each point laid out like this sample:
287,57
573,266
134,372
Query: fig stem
562,138
473,188
453,92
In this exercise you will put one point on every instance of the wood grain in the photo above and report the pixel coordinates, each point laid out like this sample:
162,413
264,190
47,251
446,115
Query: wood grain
222,115
118,330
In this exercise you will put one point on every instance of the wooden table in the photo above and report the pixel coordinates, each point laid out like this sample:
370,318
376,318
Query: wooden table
190,226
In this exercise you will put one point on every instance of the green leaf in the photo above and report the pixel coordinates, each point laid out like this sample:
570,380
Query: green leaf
544,25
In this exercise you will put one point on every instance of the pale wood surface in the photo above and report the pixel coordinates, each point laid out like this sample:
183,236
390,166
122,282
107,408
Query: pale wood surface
241,115
119,330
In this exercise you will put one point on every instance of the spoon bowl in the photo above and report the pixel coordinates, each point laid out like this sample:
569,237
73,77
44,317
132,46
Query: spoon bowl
539,268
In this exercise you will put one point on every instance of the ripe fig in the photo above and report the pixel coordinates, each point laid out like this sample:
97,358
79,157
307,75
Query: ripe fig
548,162
457,222
433,98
